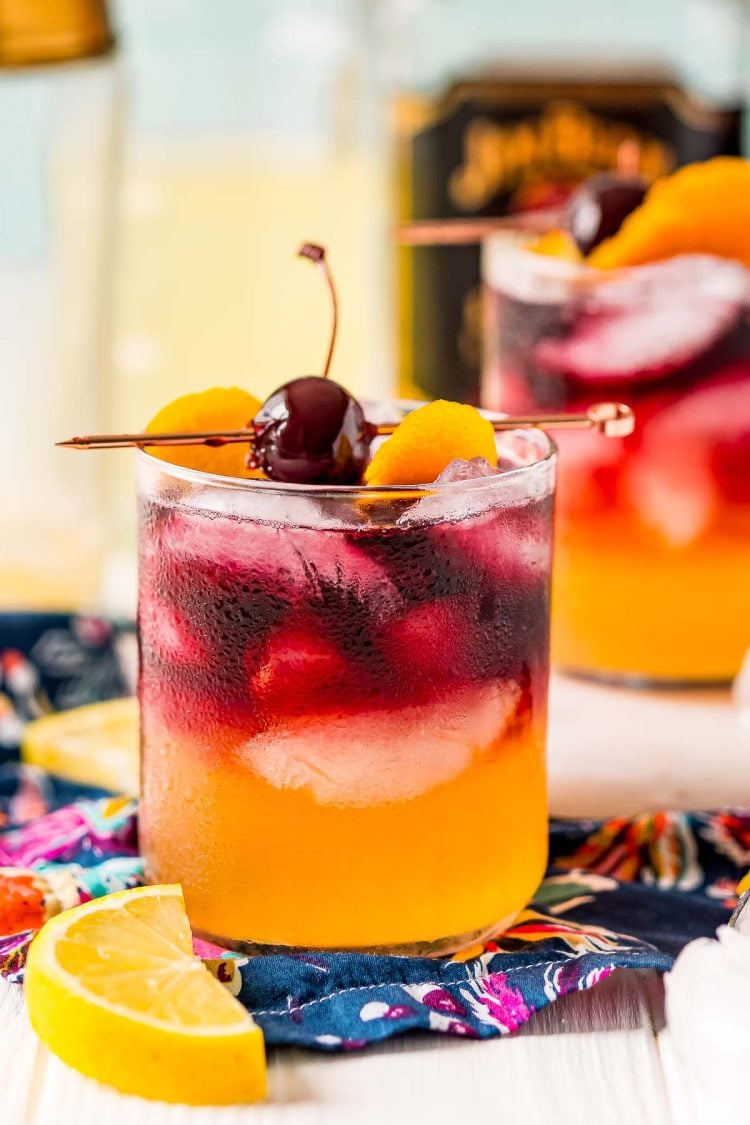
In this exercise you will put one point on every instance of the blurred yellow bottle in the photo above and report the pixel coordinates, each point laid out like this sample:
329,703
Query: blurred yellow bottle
232,163
58,111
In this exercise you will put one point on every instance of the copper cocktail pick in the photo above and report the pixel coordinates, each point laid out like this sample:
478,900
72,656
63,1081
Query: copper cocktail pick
467,232
613,419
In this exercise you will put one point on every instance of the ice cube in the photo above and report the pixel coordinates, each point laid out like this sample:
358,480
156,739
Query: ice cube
269,531
301,666
456,504
258,503
676,501
648,325
453,504
171,633
459,470
360,760
673,479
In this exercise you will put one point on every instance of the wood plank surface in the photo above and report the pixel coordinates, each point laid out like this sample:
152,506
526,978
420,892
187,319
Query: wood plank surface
592,1057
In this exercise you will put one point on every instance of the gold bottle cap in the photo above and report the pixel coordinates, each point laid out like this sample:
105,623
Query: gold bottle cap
33,32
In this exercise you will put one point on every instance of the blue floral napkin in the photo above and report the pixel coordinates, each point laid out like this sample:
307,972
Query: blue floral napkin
625,893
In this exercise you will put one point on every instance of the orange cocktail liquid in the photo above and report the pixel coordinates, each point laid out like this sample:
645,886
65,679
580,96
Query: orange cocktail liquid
280,866
343,725
693,602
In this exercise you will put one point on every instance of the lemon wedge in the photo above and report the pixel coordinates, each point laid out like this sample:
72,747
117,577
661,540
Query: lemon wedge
113,988
92,745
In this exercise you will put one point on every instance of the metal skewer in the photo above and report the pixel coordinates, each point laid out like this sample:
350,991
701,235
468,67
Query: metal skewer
613,419
122,441
466,232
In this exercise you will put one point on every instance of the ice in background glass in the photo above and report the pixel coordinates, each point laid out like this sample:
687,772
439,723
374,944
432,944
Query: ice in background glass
652,559
343,699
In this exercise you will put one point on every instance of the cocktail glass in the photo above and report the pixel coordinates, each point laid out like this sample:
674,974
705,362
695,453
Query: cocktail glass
653,530
343,699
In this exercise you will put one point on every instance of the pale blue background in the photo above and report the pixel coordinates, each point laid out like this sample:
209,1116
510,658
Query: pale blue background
199,68
231,63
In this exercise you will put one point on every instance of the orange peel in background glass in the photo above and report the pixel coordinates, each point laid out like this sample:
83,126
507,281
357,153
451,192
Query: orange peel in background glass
700,209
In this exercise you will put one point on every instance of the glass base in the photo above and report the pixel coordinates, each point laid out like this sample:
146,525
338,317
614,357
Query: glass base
439,947
635,681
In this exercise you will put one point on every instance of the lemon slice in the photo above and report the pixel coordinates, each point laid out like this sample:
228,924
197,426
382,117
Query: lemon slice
114,990
92,745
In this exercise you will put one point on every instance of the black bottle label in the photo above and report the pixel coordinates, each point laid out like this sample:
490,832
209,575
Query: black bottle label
492,148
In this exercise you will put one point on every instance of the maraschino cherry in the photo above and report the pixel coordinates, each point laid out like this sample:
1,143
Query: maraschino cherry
311,430
599,206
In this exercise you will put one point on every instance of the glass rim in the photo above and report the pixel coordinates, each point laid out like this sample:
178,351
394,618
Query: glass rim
545,445
516,237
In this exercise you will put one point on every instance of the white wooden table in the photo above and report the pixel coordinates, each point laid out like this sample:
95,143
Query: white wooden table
602,1057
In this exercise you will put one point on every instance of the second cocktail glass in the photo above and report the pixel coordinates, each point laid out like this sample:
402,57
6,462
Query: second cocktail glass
343,697
653,530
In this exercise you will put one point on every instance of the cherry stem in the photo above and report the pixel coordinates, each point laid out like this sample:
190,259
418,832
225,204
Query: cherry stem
317,256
